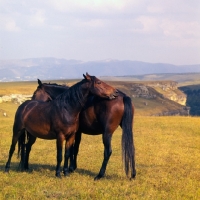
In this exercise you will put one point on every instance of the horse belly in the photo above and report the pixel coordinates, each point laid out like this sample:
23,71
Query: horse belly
88,124
41,132
92,129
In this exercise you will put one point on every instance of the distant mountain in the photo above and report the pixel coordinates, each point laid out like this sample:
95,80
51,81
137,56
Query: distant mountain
53,68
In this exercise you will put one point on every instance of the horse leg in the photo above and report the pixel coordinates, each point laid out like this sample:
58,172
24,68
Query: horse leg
59,144
12,149
68,154
31,141
74,152
107,153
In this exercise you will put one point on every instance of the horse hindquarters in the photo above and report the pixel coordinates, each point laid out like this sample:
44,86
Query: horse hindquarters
128,149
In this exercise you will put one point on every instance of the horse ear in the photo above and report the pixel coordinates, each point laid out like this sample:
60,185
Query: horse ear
39,82
87,76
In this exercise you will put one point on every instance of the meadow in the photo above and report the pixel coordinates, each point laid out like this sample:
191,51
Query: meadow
167,163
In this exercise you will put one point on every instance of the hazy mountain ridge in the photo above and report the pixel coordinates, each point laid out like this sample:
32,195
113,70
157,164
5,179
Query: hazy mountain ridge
53,68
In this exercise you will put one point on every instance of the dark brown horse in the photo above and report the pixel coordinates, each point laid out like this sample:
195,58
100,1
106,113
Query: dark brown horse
58,119
99,116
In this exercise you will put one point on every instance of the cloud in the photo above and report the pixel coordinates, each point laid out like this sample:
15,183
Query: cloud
9,24
96,29
37,17
180,29
149,24
89,5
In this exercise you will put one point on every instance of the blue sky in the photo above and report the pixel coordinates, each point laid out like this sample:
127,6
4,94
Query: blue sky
150,31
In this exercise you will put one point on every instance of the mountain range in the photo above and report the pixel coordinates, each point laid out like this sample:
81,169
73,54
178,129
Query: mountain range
53,68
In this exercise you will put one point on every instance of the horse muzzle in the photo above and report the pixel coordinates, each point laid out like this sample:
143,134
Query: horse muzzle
115,94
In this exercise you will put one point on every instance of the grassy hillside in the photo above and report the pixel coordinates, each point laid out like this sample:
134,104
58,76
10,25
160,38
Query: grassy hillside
147,106
143,106
167,163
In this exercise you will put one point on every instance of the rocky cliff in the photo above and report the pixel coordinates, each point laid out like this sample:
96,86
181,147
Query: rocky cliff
169,90
158,98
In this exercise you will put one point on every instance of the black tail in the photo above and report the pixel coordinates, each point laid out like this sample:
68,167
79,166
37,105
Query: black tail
128,149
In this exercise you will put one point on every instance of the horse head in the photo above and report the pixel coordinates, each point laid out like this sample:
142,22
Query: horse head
40,94
100,88
48,91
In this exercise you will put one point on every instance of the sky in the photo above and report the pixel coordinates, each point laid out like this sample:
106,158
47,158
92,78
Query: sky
156,31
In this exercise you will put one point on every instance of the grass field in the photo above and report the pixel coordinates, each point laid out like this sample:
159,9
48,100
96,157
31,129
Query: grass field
167,163
167,159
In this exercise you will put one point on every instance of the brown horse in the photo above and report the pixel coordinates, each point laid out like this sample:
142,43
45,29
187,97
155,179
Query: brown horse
99,116
58,119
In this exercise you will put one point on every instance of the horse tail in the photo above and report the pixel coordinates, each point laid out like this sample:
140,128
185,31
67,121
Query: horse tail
128,149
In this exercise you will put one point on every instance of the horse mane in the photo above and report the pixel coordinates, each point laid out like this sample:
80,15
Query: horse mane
55,84
72,96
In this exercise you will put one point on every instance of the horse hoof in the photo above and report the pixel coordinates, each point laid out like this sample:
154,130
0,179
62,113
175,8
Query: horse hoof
98,177
58,176
71,169
66,174
66,171
133,175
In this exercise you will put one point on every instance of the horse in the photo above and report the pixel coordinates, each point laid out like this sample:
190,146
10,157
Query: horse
59,118
98,116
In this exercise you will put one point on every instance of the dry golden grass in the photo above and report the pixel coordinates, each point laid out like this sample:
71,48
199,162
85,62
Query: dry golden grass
26,87
167,160
17,87
167,163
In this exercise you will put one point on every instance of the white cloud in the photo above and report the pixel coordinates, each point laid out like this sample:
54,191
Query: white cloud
37,17
90,5
11,26
101,28
181,29
91,23
155,9
8,24
149,25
